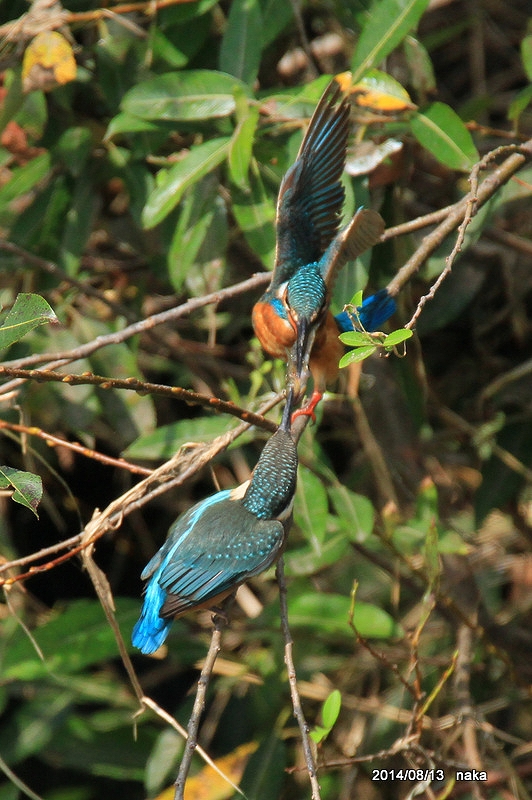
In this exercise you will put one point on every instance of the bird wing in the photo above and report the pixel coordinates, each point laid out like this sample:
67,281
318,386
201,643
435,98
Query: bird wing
364,230
227,546
311,194
372,314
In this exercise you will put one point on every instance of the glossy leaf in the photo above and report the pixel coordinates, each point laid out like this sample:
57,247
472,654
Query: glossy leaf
183,96
264,774
27,487
440,130
24,178
200,208
355,511
521,101
331,708
397,337
330,614
167,439
387,24
355,338
27,312
310,507
381,92
526,55
359,354
306,561
241,47
241,148
172,183
254,211
67,646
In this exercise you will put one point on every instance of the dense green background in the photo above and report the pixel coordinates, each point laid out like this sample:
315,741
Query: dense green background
152,178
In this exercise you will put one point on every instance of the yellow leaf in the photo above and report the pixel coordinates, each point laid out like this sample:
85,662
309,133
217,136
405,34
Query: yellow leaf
48,62
381,92
208,784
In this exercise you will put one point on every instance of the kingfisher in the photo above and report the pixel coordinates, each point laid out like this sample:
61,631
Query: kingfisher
291,319
221,542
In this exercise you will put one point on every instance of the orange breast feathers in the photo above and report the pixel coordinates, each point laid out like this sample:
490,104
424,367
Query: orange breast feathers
276,335
326,353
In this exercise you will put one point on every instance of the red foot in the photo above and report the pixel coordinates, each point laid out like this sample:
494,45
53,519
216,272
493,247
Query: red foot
309,408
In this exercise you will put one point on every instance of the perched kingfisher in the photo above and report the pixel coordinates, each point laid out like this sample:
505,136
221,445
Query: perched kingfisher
221,541
291,319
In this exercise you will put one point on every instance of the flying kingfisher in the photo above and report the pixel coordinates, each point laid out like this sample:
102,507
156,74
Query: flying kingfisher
221,541
291,319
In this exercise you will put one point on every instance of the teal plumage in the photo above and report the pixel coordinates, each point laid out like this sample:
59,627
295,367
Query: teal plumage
221,542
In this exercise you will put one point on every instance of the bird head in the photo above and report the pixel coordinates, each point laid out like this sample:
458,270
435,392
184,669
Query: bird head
306,300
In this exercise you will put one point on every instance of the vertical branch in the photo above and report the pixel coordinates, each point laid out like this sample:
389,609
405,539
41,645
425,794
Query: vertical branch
219,622
292,679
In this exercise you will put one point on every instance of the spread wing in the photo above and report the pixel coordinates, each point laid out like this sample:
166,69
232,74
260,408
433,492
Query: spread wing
311,194
364,230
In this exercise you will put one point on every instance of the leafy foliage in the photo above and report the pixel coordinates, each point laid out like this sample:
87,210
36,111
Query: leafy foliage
147,179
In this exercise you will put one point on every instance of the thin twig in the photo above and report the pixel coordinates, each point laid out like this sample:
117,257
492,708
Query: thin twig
219,622
141,387
457,213
59,359
292,680
57,441
187,462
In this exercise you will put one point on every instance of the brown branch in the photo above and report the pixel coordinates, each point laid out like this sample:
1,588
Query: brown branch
219,622
57,441
52,268
292,680
187,462
142,387
61,358
462,211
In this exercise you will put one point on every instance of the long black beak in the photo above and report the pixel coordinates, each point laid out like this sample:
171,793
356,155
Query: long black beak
286,421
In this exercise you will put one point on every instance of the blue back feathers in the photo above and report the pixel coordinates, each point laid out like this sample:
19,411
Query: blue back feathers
220,542
373,313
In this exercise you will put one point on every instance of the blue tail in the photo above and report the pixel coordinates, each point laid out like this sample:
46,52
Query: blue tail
373,313
151,630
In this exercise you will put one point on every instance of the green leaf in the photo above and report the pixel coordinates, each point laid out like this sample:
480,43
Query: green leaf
24,178
441,131
520,102
396,337
330,614
276,16
331,708
311,508
164,442
199,210
355,511
241,148
183,96
381,83
27,312
73,148
388,22
173,182
27,486
354,356
305,560
526,55
241,48
254,211
264,776
355,338
128,123
421,69
70,641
